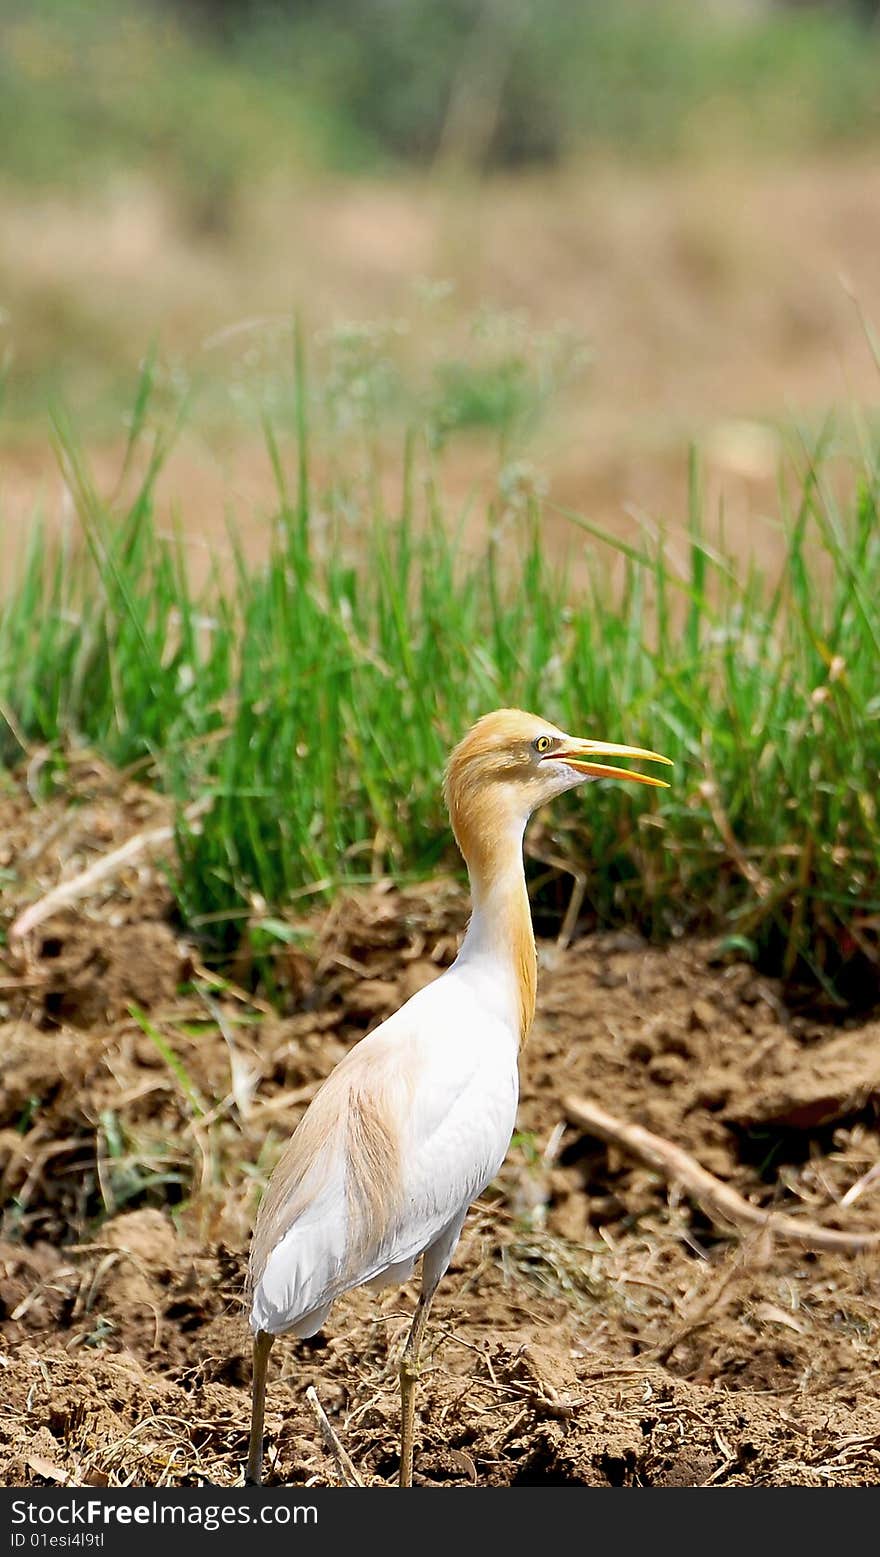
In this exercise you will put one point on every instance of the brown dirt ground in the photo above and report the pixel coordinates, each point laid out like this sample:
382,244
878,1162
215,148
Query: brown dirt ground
596,1329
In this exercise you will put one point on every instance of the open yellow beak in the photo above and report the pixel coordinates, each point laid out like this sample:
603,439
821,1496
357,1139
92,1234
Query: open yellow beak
580,754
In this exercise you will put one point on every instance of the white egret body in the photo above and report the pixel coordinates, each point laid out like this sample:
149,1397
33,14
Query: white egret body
416,1120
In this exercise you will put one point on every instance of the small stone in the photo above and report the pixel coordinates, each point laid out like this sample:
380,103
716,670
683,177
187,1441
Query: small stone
672,1042
703,1016
640,1050
667,1070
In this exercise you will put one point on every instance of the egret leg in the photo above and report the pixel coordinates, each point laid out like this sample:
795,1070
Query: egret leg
409,1375
436,1260
262,1347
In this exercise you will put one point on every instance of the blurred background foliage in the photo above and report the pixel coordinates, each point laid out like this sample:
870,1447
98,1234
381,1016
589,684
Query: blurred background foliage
167,168
215,92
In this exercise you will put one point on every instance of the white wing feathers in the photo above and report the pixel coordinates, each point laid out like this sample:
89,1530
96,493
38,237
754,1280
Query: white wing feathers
404,1134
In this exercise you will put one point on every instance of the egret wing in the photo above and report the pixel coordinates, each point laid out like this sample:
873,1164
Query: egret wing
402,1136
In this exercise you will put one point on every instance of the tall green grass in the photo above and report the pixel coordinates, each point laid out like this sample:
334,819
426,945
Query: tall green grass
310,701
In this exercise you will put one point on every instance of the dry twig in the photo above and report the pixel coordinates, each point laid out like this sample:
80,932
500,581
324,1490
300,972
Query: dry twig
347,1468
718,1199
108,865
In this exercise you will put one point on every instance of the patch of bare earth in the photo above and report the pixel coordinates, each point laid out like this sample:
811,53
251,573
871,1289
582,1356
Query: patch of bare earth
596,1327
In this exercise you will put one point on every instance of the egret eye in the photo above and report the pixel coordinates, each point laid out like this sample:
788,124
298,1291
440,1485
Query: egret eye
542,744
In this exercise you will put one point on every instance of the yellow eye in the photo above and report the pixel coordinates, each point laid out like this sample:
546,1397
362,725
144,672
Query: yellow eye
543,743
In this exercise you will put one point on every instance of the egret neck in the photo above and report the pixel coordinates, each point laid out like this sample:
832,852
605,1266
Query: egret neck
500,935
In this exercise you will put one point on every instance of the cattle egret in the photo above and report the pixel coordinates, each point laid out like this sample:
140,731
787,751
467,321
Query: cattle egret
416,1120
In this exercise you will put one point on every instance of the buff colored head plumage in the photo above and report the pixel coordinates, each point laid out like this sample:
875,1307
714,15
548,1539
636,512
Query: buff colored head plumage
510,762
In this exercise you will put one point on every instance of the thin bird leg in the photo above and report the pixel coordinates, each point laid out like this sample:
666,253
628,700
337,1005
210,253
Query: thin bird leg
262,1348
409,1374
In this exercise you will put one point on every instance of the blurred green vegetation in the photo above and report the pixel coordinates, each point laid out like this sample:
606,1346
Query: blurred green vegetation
148,148
208,97
488,373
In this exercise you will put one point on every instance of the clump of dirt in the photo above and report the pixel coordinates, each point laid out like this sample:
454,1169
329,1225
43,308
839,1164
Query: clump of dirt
596,1327
87,980
85,966
700,1051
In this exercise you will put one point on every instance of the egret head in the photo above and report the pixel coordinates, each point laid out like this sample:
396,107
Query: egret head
511,762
